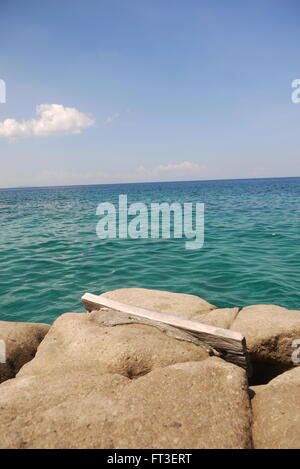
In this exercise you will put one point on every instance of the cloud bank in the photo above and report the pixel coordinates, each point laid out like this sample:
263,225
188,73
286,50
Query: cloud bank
184,166
185,170
52,119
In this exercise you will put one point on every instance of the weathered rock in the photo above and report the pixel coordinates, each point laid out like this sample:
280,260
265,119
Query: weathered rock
174,303
269,331
253,390
21,341
222,317
78,342
110,317
292,376
276,412
188,405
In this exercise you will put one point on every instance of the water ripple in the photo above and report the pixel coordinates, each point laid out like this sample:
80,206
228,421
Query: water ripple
50,254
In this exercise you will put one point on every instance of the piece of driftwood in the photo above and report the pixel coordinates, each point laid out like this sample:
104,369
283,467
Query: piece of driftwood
230,345
111,317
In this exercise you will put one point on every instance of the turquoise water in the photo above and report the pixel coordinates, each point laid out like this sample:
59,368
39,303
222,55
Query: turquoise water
50,254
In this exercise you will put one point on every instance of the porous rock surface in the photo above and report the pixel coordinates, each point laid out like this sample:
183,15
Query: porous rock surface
186,405
79,342
270,331
93,384
181,304
276,412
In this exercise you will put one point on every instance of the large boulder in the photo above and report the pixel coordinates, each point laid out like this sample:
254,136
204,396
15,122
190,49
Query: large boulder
187,405
276,412
270,331
179,304
80,342
21,342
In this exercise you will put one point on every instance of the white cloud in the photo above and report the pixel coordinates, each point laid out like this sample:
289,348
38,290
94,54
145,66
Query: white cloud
52,119
184,166
183,169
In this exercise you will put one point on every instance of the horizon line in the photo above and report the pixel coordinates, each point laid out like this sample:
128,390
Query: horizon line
146,182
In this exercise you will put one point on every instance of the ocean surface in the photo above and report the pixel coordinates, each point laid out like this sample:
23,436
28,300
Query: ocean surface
50,254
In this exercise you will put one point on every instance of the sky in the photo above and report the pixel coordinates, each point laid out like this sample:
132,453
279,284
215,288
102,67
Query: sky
106,91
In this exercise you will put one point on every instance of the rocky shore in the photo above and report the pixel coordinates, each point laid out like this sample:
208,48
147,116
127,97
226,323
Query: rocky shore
83,384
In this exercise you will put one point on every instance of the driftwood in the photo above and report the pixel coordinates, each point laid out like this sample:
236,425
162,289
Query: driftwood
229,345
111,317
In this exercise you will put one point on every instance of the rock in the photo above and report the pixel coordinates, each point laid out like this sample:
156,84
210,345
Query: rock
222,317
292,376
188,405
179,304
21,342
255,389
58,410
78,342
276,412
269,331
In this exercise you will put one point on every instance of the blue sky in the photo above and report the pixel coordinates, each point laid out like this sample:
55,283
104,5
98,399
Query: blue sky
159,90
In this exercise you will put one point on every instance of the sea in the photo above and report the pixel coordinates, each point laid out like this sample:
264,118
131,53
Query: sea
50,254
